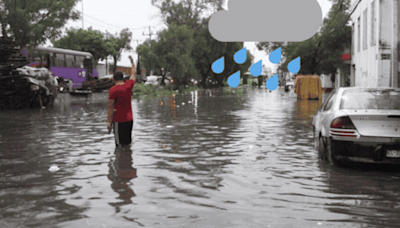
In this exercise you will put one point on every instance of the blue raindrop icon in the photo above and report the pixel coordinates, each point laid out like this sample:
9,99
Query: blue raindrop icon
240,56
218,65
256,68
294,65
276,56
234,79
272,83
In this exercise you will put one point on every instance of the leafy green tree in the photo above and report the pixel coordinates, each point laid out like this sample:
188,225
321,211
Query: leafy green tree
186,12
321,53
207,49
29,22
119,43
89,40
175,47
149,59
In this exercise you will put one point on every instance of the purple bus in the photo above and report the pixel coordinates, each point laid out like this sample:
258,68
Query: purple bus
65,63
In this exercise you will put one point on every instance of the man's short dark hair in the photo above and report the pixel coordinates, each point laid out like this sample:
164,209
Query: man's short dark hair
118,76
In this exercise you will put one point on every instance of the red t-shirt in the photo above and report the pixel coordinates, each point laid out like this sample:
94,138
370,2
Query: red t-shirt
122,95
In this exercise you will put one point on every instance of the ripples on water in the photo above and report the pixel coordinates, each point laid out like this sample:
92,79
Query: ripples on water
222,159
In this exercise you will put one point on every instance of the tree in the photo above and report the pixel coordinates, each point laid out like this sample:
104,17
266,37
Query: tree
119,43
90,40
175,47
148,58
33,23
321,53
138,68
192,13
186,12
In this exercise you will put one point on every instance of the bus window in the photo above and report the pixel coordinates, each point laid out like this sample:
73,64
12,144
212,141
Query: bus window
52,59
70,60
60,60
79,61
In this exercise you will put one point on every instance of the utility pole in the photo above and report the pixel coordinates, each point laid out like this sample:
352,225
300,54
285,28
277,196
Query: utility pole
150,33
107,70
137,42
82,16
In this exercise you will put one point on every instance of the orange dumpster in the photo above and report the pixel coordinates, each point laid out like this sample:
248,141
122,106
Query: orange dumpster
308,87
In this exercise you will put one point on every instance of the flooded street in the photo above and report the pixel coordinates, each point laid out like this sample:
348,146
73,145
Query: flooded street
221,159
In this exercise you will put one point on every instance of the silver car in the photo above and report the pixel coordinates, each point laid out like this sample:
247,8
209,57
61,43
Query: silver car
359,125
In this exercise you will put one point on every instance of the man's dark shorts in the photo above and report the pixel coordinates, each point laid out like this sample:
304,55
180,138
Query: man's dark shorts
123,133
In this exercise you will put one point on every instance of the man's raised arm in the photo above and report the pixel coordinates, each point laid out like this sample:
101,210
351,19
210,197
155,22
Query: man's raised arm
133,76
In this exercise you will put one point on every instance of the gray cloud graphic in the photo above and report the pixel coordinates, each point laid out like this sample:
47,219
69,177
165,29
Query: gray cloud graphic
266,21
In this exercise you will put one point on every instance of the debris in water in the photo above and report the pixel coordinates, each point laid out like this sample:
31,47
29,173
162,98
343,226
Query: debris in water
54,168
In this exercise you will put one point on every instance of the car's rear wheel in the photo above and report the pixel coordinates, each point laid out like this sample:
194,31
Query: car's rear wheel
330,153
321,149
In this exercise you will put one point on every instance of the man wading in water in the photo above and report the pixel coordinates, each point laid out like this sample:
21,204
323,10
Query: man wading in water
120,117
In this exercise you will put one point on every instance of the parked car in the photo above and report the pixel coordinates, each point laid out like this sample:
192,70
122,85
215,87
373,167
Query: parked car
156,80
289,86
359,124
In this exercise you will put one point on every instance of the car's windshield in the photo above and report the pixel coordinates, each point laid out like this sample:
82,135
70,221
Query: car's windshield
371,99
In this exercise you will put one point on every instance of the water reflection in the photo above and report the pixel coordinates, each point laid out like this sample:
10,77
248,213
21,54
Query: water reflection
121,173
306,109
368,194
172,105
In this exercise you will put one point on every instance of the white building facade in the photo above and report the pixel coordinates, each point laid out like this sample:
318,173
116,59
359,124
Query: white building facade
375,30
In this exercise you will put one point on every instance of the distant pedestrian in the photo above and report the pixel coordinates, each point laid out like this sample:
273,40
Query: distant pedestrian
120,117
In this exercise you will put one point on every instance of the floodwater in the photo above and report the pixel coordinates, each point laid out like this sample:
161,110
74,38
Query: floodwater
222,159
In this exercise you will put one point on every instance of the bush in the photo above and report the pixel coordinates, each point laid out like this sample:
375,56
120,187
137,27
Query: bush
155,91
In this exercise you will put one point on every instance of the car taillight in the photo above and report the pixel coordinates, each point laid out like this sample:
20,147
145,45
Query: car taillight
343,123
346,124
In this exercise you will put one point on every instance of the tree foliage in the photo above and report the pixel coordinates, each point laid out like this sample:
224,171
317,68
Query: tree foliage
170,53
119,43
321,53
89,40
33,22
193,14
186,12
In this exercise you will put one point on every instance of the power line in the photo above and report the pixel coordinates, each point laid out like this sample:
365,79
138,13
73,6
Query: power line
141,28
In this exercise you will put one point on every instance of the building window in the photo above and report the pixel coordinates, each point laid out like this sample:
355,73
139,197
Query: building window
358,35
373,23
365,23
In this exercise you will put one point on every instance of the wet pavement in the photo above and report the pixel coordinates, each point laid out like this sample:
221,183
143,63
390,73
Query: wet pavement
221,159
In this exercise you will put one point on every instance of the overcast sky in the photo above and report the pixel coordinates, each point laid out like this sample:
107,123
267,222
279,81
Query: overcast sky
138,15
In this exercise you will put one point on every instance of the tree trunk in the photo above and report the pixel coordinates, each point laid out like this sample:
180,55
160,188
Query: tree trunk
163,76
115,64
